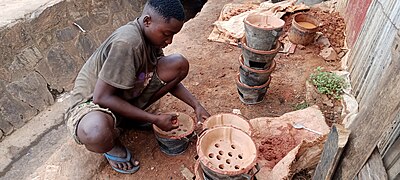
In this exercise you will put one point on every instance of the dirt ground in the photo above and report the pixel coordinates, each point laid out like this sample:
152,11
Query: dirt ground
213,67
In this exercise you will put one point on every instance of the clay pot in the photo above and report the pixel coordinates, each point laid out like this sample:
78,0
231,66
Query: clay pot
258,59
262,31
303,29
251,94
254,77
176,141
226,153
227,119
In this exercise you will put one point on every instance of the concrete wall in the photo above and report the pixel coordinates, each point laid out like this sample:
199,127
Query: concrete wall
42,52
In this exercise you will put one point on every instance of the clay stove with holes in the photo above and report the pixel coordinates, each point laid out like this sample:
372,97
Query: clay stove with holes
226,153
228,119
176,141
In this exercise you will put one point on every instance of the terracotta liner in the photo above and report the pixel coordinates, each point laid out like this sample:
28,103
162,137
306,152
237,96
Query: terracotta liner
278,44
186,128
265,85
300,35
255,18
305,18
229,120
218,145
258,71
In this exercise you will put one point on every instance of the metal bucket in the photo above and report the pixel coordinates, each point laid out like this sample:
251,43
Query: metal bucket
251,94
254,77
176,141
200,175
262,31
226,153
198,172
227,119
258,59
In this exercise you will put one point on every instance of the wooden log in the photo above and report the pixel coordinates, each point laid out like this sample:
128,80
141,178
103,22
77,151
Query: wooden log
391,160
373,169
333,148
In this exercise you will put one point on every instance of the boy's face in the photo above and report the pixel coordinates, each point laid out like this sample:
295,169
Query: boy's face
160,32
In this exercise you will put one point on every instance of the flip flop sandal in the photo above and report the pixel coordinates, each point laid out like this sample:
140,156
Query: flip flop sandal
119,159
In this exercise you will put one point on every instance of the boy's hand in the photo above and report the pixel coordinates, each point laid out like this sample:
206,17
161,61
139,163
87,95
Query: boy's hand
201,114
175,119
167,122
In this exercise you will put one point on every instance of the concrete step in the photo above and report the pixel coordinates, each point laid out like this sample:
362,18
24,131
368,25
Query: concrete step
43,149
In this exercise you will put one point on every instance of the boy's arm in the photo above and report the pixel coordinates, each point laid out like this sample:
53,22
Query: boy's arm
183,94
105,96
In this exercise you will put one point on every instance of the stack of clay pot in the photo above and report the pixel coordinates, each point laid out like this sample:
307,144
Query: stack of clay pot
259,48
225,149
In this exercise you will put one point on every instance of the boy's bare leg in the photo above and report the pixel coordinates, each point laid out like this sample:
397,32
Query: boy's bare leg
96,131
172,70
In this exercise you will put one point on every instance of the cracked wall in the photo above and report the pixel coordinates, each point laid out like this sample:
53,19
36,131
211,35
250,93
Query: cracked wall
41,56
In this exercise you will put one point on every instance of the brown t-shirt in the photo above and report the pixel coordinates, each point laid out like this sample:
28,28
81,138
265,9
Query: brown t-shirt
124,60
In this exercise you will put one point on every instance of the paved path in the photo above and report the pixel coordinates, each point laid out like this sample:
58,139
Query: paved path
11,10
43,149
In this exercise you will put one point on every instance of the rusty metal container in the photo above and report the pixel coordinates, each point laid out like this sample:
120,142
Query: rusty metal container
258,59
254,77
304,29
251,94
200,175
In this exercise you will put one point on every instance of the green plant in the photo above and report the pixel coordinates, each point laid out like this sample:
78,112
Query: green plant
328,83
301,105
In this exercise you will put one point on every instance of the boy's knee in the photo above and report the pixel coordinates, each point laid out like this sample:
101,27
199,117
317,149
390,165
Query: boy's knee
97,130
181,63
172,67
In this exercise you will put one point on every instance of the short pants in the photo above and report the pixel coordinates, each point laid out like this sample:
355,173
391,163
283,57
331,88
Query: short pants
74,115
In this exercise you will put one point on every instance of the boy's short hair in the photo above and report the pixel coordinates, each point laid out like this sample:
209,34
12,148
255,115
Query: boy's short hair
168,9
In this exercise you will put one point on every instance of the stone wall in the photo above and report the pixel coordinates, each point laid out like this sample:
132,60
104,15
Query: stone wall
42,54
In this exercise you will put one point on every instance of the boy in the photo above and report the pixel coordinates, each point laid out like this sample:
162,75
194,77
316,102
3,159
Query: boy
124,76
